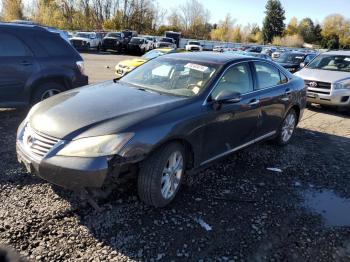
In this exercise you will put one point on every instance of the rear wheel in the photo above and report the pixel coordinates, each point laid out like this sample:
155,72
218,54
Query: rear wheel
287,128
161,175
46,90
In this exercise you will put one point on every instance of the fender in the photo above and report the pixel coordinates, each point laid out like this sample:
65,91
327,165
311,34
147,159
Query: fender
64,74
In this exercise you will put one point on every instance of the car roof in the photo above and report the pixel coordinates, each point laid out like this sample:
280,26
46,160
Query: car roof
210,57
338,52
21,26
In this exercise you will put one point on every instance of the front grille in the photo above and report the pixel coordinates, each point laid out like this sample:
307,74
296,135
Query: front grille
195,48
77,43
37,143
318,87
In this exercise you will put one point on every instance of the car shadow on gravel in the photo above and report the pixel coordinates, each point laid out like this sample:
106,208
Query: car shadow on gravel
235,209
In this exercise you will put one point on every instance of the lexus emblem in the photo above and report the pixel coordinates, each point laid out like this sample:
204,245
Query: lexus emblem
313,84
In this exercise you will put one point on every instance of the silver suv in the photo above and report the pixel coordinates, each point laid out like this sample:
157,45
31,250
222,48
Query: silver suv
327,78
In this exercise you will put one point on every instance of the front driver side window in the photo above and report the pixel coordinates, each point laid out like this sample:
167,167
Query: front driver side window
268,75
236,79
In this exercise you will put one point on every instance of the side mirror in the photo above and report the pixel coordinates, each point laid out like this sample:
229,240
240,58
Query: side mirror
227,97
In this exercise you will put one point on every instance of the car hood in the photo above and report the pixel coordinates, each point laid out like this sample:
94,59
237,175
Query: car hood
100,109
80,38
322,75
133,62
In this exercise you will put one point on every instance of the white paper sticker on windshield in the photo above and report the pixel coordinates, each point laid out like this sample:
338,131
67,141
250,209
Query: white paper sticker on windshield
195,90
299,57
197,67
347,59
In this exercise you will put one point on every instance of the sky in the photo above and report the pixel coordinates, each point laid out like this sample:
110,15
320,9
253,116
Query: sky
252,11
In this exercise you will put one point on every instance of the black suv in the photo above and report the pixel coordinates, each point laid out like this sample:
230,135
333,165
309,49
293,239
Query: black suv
114,41
36,64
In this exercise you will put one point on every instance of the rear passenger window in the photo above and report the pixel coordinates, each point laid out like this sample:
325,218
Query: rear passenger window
11,46
53,45
268,75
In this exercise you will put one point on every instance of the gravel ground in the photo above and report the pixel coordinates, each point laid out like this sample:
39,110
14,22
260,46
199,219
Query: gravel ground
236,210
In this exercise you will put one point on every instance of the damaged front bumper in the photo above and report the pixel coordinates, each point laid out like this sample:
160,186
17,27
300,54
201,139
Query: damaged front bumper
75,173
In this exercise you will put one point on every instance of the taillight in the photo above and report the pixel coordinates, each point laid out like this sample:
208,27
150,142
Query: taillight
81,67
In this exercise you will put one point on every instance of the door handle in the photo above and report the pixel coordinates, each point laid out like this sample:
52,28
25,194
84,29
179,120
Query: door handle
26,63
254,102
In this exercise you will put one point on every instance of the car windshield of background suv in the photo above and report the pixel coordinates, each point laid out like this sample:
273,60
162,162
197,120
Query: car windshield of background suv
331,63
171,76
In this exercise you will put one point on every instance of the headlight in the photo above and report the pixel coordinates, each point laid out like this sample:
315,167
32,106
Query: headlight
342,85
96,146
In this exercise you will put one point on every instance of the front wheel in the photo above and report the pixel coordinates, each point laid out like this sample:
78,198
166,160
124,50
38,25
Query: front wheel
161,175
287,128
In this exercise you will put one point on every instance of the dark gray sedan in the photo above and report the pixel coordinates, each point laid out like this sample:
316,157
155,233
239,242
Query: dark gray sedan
173,114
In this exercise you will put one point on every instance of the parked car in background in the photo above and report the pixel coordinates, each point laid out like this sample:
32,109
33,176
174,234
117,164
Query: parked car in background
114,41
138,45
86,41
36,64
268,50
293,61
193,46
152,41
174,35
327,78
250,54
168,128
218,48
275,55
165,42
254,49
126,66
129,34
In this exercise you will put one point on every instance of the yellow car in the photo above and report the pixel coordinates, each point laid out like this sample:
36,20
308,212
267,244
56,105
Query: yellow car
124,67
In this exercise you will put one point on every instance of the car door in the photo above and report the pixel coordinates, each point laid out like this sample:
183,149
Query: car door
273,92
17,64
232,125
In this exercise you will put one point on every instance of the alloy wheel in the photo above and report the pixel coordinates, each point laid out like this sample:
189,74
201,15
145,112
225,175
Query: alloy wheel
288,127
172,174
49,93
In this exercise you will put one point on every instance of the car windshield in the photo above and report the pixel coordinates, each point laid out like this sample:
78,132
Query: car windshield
194,43
136,40
153,54
291,58
172,76
84,35
113,35
165,39
331,62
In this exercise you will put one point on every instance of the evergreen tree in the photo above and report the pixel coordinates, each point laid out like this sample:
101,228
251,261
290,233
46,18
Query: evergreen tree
273,24
306,29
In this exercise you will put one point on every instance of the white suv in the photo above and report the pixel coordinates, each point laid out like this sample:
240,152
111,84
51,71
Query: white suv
327,78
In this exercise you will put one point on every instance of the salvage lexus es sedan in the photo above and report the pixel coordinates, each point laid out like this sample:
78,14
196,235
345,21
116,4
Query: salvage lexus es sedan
173,114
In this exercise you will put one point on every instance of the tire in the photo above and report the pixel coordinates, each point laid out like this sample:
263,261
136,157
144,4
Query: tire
288,126
153,181
43,91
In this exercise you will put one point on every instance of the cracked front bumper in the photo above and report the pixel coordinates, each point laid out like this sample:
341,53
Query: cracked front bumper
69,172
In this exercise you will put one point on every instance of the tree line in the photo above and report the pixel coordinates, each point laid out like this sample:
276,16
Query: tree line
191,19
